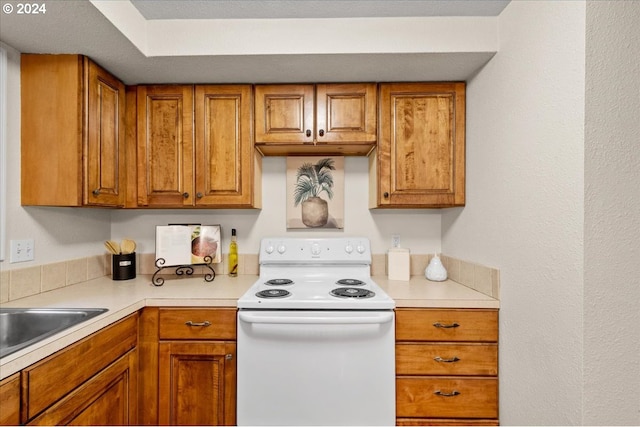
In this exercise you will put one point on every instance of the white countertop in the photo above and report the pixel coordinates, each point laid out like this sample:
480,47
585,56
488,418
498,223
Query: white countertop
125,297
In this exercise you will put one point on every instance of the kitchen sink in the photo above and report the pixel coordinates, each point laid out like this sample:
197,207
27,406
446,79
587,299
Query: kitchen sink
22,327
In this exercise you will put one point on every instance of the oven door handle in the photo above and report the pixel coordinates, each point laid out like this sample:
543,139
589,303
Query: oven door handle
378,318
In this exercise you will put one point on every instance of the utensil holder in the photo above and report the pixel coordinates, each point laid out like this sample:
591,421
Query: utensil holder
123,266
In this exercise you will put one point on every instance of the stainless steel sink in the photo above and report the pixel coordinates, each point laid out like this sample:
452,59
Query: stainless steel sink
22,327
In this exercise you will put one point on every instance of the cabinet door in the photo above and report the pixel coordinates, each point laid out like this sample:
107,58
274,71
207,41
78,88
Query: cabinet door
421,147
284,114
224,147
165,146
10,401
197,383
346,113
104,168
109,398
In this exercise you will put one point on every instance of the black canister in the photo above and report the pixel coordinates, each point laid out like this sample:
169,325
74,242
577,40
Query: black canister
123,266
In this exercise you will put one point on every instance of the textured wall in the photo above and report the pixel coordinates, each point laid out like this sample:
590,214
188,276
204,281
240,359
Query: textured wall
612,214
524,212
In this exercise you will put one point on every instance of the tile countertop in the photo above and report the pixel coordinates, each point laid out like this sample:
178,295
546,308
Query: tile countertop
125,297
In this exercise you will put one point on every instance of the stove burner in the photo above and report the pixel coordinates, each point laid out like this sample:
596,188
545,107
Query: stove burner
350,282
352,293
273,293
278,282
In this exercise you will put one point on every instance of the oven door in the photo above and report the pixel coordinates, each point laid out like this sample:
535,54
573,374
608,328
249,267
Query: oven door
316,368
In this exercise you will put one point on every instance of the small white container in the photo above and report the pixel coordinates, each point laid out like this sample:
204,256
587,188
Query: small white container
399,264
435,271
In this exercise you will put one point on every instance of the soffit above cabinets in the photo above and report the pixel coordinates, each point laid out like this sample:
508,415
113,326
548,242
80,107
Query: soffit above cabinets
266,41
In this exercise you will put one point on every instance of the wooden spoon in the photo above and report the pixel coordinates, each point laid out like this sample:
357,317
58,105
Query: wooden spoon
128,246
112,247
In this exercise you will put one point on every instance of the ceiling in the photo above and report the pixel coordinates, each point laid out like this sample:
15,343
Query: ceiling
81,26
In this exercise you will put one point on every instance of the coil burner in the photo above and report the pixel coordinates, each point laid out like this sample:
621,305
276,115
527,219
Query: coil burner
273,293
279,282
352,293
350,282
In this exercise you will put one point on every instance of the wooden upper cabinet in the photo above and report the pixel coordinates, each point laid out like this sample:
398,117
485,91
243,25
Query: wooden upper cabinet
336,119
420,158
228,169
72,130
217,168
165,145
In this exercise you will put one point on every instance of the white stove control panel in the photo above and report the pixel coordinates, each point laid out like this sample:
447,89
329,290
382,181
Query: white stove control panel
343,250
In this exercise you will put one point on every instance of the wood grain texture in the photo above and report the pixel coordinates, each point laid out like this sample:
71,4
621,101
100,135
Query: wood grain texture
48,380
10,400
421,145
72,132
108,398
148,366
284,113
173,323
417,397
224,154
51,129
193,383
476,325
165,145
446,359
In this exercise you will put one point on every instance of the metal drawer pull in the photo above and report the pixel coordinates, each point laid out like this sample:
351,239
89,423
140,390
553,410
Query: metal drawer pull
205,323
450,360
442,325
453,393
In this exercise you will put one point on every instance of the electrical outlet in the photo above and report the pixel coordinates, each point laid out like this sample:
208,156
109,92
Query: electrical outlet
395,241
22,250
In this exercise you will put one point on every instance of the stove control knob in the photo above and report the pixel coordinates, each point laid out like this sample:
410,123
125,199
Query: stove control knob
282,248
315,249
348,249
360,248
269,248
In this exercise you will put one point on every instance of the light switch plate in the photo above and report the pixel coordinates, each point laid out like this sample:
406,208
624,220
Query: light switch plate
22,250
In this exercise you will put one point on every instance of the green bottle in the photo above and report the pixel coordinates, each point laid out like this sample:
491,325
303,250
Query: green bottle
233,254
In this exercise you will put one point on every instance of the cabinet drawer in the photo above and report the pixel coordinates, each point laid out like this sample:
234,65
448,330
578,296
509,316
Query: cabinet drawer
196,323
447,397
445,422
446,359
446,325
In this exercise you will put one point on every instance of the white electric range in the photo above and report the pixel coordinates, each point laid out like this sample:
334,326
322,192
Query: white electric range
316,337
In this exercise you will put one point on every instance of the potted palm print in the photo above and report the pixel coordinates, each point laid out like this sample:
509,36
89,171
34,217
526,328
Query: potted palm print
311,181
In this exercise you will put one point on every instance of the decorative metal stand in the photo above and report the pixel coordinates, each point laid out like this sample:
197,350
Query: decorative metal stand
182,270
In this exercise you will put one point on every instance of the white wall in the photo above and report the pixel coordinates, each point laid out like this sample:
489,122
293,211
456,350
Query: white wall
612,215
524,211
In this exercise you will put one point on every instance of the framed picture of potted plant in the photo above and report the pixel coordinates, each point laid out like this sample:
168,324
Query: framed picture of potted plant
315,192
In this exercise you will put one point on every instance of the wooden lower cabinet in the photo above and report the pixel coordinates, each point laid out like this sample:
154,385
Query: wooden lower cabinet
188,366
197,383
10,400
446,367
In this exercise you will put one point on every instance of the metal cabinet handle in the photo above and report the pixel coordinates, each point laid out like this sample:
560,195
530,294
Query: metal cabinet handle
385,195
321,132
440,393
205,323
199,195
96,192
185,195
446,326
308,133
228,356
450,360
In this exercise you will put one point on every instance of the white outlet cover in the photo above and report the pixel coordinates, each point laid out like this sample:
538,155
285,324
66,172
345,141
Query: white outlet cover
22,250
